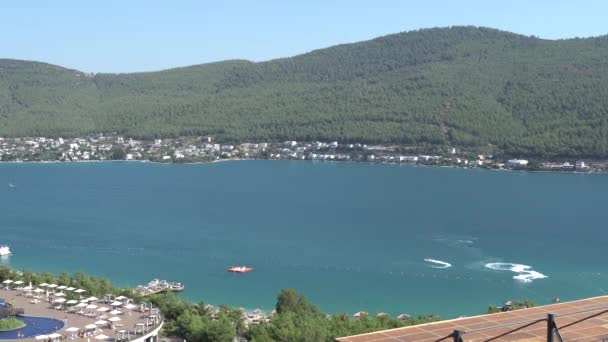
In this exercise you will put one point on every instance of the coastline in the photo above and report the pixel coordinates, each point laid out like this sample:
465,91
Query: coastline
309,161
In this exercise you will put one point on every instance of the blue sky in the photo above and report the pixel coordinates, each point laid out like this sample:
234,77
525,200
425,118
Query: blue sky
140,35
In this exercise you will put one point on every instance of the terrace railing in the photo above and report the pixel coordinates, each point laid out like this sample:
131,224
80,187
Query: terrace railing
553,330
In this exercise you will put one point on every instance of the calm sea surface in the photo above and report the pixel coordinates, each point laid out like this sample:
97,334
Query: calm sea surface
350,236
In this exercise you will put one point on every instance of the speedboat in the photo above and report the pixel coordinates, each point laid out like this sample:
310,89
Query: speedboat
240,269
5,250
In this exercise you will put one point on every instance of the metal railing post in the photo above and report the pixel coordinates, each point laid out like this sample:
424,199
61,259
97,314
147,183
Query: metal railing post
550,327
457,335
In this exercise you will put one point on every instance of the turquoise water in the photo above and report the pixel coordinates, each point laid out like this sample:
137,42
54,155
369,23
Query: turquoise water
350,236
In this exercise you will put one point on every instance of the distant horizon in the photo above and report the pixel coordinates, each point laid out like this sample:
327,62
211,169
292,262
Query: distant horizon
138,36
298,54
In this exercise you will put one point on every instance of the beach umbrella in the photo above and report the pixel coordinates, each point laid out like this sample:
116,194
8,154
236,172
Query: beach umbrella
103,309
114,319
72,301
7,281
27,288
54,336
38,290
115,312
91,307
18,282
120,298
81,305
42,337
52,286
70,288
101,337
403,316
116,304
43,285
72,329
90,327
59,300
360,314
92,299
130,306
80,291
59,294
101,322
61,287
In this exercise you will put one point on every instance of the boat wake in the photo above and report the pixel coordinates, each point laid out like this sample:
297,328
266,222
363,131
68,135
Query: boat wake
524,272
441,264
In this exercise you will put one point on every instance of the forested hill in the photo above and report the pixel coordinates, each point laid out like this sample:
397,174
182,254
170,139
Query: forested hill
459,86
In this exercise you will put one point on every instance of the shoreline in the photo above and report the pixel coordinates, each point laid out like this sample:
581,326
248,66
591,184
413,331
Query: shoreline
308,161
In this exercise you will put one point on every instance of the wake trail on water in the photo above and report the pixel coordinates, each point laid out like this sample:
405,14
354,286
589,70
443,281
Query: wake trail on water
524,274
441,264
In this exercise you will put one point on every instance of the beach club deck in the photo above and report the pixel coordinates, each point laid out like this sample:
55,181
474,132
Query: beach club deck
86,319
581,320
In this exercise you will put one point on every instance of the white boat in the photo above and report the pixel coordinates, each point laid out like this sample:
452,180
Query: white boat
4,250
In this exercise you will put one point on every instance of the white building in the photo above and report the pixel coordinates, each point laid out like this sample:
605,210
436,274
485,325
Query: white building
581,165
517,162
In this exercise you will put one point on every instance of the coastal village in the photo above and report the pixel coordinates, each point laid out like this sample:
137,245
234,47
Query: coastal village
206,149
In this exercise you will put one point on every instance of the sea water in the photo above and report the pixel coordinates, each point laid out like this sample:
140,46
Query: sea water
398,239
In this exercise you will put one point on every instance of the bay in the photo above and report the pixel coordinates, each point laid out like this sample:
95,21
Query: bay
350,236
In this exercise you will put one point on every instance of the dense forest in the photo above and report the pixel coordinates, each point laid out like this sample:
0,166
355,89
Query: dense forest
465,87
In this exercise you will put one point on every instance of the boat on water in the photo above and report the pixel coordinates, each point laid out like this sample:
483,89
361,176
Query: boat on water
5,250
240,269
158,286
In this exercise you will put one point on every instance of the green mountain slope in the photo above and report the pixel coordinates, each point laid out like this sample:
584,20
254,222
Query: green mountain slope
460,86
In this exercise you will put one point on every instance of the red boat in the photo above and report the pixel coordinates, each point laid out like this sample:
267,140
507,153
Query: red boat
240,269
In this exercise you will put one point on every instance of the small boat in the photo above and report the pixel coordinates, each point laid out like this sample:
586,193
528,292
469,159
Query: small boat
5,250
240,269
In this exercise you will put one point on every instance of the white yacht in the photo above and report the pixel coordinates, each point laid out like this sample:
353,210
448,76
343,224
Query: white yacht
4,250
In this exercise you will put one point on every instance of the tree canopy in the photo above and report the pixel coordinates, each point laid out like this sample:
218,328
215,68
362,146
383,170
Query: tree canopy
465,87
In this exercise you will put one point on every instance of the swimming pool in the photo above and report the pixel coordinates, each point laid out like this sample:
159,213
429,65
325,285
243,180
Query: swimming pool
33,326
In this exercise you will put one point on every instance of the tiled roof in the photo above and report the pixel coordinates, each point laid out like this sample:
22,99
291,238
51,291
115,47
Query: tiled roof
591,325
